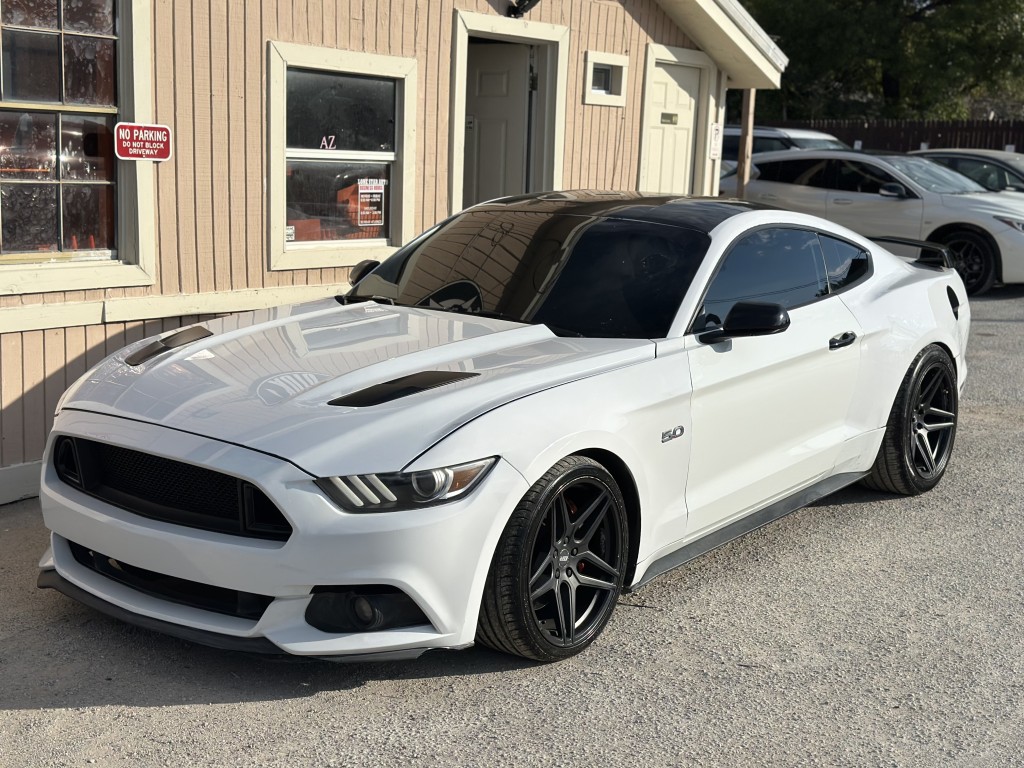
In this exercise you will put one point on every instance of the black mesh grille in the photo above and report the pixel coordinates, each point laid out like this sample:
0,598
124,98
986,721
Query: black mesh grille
231,602
168,483
168,490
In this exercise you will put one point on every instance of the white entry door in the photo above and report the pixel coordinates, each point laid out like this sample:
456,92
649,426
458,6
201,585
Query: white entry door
670,127
497,121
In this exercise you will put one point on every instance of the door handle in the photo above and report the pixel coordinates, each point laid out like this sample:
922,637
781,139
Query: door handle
842,201
842,340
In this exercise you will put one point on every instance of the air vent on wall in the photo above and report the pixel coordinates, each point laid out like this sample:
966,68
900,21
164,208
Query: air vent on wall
401,387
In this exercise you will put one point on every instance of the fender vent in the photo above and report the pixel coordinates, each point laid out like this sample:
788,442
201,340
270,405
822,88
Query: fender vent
399,388
954,302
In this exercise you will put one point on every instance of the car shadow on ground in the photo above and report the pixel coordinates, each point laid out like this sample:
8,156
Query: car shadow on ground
56,653
76,658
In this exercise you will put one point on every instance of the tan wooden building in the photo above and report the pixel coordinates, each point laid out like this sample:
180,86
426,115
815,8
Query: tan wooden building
307,135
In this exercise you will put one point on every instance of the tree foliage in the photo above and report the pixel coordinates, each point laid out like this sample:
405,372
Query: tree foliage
892,58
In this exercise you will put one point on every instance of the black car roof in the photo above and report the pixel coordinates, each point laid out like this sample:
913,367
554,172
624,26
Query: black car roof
698,213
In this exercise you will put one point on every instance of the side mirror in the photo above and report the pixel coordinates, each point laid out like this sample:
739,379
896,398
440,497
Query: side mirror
361,270
892,189
749,318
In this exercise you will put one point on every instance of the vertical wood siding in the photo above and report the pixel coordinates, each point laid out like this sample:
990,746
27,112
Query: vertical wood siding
209,85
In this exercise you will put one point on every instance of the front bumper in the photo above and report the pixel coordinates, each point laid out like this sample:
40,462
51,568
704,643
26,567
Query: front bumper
438,556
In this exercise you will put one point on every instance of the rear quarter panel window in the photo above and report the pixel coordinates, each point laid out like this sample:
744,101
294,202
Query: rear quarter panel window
845,263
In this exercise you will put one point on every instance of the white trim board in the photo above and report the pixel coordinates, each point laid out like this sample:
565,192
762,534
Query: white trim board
37,317
19,481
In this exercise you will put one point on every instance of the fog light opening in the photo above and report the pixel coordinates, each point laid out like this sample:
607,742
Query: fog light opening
364,608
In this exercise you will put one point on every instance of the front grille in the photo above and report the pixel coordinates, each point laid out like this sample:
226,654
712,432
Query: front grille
230,602
168,490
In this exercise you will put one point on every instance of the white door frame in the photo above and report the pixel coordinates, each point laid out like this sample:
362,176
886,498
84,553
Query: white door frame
555,39
704,179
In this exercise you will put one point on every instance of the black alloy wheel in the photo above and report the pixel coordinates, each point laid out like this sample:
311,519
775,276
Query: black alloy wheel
919,436
974,258
558,569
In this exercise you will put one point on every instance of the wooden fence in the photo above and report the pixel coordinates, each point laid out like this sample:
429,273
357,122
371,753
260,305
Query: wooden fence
908,135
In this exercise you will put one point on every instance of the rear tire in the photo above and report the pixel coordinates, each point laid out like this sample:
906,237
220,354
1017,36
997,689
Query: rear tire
558,569
975,259
921,429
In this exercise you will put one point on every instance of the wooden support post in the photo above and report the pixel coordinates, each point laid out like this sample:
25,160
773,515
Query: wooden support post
746,143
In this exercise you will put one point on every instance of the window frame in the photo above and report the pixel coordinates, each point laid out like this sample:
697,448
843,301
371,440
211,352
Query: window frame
334,253
135,196
617,66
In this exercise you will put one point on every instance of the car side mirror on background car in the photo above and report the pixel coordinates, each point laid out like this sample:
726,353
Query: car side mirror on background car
362,269
892,189
749,318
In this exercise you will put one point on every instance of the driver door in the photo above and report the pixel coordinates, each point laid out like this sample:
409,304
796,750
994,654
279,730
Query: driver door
769,413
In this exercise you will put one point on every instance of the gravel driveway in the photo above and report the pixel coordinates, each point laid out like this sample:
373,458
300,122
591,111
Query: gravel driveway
864,630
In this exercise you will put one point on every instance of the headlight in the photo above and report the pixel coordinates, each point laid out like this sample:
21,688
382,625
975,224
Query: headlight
1017,224
392,491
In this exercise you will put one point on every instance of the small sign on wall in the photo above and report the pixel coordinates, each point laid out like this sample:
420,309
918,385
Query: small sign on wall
138,141
715,150
371,202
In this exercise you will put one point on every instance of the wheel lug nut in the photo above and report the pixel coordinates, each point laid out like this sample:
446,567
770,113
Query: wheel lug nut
574,551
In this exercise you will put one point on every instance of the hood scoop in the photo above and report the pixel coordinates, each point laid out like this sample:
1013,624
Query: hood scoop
175,340
401,387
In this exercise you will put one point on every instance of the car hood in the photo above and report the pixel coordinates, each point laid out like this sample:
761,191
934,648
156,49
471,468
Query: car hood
994,203
266,379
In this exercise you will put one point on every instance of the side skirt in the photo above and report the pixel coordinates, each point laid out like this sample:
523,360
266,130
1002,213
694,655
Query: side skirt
751,522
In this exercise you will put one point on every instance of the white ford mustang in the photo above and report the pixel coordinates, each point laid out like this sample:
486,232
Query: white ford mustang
537,405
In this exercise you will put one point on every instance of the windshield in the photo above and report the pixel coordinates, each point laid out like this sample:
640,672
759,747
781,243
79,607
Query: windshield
579,275
932,176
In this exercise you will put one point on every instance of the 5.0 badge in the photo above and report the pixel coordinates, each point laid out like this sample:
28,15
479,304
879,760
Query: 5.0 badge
672,434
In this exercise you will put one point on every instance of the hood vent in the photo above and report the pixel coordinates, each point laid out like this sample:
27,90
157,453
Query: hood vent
399,388
178,339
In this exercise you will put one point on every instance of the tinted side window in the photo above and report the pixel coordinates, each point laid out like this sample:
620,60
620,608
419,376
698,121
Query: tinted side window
804,172
853,176
782,266
986,174
765,144
845,263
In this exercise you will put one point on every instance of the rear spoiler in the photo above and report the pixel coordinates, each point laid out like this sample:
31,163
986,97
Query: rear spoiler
932,254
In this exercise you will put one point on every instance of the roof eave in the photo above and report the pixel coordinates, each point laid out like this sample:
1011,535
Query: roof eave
731,37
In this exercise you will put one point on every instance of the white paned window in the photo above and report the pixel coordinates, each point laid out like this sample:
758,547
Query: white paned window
342,155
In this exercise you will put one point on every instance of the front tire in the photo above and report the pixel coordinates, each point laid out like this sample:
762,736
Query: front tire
921,429
558,569
975,259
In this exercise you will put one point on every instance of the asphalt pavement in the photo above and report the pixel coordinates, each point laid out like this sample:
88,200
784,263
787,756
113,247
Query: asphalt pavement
864,630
